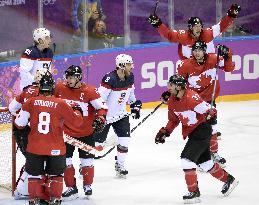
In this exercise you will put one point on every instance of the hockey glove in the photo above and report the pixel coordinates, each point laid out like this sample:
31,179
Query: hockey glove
234,10
223,51
135,109
154,20
211,116
99,124
165,96
21,137
77,107
161,135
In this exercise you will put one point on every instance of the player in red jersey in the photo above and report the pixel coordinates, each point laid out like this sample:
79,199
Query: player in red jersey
196,116
21,136
186,38
45,152
200,72
94,112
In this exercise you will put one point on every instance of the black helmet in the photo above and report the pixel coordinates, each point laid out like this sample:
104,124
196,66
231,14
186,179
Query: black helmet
178,80
199,45
74,71
192,21
47,83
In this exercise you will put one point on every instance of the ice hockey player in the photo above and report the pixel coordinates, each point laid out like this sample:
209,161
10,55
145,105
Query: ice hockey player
36,57
197,118
73,90
117,89
45,152
21,136
186,38
200,72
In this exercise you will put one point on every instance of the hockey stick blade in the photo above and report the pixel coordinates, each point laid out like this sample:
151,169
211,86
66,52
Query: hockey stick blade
81,145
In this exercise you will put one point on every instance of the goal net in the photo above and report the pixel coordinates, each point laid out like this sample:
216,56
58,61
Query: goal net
7,151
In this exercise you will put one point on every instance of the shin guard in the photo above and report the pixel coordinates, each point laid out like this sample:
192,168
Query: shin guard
191,179
88,175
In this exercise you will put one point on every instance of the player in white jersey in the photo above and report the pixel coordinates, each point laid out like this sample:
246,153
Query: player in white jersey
36,57
117,89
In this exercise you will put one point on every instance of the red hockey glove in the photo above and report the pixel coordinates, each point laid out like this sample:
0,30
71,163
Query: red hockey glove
99,123
234,10
161,135
211,116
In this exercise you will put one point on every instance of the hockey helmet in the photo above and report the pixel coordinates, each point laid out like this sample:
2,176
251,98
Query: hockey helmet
47,83
74,71
40,33
122,60
199,45
178,80
192,21
39,73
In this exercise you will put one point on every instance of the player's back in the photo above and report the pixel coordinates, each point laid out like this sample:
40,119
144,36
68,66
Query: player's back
47,115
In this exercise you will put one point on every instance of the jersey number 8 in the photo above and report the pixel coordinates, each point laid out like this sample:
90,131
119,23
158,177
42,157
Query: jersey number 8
44,121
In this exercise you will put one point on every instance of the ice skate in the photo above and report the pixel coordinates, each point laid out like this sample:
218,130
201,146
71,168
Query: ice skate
55,201
88,190
121,172
192,197
70,194
229,186
34,202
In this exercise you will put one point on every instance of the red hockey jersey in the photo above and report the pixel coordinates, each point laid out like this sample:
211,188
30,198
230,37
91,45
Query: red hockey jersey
89,100
190,110
201,77
18,101
185,39
47,116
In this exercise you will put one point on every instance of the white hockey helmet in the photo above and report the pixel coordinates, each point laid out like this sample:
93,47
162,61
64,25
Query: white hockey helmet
40,33
122,60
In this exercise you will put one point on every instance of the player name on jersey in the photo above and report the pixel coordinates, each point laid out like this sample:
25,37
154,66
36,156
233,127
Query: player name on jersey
45,103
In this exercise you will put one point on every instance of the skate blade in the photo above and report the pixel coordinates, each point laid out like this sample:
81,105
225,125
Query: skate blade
120,176
70,198
192,201
233,186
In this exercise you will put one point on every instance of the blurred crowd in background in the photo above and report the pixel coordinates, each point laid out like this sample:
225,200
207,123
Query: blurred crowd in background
83,25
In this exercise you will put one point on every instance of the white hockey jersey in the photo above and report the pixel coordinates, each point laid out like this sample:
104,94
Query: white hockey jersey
117,93
32,60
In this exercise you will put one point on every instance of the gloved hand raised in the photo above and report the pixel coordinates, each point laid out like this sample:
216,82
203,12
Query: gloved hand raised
154,20
135,109
161,135
234,10
223,51
99,123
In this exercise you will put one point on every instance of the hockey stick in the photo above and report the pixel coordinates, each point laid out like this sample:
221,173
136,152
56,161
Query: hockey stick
215,81
156,6
133,129
81,145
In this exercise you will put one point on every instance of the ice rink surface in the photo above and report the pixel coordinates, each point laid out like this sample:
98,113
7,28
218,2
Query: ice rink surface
155,175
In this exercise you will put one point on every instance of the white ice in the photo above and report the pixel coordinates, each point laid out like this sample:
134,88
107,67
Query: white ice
155,176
